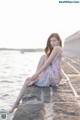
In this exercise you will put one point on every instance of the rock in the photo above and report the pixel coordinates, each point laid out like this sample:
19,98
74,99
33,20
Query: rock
48,103
34,102
29,112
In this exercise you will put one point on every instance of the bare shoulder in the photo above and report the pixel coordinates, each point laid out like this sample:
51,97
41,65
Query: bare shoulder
57,50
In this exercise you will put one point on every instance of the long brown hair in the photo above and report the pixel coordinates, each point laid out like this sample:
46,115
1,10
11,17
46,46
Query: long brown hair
49,48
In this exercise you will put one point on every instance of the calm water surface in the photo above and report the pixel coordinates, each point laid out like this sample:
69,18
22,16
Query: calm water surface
15,67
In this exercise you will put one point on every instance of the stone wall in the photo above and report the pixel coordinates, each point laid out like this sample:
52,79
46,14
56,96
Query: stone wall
72,45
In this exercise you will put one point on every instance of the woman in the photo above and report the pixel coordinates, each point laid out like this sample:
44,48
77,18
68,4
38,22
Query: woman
49,68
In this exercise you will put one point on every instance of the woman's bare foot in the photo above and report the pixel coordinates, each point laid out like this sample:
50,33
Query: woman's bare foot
14,107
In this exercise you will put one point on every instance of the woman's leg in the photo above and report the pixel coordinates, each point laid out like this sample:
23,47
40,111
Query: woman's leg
22,92
41,61
25,85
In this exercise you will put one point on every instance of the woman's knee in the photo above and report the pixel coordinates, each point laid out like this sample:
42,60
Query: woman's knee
43,58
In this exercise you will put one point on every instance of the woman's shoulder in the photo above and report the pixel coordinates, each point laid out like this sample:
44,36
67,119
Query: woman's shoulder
58,49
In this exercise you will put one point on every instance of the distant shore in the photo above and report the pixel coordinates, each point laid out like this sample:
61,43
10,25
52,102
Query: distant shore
23,50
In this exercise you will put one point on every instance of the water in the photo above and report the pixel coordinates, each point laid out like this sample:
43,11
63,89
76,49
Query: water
15,67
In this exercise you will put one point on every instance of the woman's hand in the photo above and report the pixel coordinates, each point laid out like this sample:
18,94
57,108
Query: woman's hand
33,79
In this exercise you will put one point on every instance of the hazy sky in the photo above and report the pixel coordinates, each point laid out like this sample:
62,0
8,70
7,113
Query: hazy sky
28,23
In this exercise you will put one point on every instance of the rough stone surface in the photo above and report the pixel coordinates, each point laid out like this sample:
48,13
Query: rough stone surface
64,104
28,112
53,103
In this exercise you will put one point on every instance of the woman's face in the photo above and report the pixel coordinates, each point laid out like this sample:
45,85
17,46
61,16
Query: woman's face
54,42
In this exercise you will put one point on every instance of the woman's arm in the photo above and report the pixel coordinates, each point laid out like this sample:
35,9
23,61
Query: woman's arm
54,53
52,56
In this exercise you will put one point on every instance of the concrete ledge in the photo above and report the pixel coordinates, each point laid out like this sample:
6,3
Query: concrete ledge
29,112
48,103
34,102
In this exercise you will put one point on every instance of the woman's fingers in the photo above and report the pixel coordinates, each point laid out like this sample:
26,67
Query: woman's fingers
30,83
32,80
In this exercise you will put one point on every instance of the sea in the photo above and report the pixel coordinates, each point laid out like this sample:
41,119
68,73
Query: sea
15,68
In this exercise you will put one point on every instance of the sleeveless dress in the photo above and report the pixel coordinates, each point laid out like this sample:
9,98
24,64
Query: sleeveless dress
52,74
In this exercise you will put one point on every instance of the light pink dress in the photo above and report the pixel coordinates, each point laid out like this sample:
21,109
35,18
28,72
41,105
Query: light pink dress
52,74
